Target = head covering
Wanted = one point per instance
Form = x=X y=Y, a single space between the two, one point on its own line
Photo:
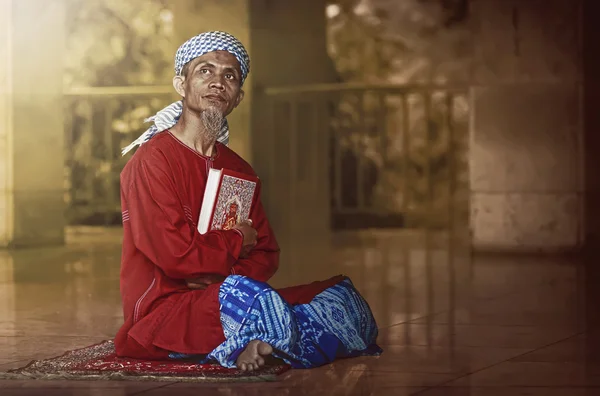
x=191 y=49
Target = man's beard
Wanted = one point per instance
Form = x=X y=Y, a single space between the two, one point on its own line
x=212 y=119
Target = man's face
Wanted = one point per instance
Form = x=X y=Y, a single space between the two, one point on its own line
x=211 y=80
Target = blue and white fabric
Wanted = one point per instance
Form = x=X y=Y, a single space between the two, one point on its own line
x=209 y=42
x=336 y=323
x=191 y=49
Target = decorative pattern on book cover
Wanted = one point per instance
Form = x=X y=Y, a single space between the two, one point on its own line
x=234 y=201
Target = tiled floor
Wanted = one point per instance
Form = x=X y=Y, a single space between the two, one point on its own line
x=492 y=325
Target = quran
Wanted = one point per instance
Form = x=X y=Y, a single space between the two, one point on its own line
x=228 y=200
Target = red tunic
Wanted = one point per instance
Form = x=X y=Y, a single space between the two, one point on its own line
x=162 y=187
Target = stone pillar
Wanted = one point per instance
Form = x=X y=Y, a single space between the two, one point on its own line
x=290 y=137
x=526 y=145
x=287 y=46
x=32 y=35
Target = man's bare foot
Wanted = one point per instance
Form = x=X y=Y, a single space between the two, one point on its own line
x=253 y=356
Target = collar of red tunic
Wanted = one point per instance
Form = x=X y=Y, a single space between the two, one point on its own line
x=206 y=157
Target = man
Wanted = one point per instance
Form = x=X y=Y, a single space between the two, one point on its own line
x=184 y=293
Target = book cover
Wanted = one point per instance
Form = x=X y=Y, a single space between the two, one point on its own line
x=228 y=200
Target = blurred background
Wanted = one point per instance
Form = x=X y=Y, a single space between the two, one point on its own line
x=357 y=114
x=429 y=148
x=389 y=141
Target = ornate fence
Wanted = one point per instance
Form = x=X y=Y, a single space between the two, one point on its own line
x=398 y=154
x=99 y=122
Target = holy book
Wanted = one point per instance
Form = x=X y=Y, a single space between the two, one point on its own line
x=228 y=200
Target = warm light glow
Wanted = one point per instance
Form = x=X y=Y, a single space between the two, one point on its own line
x=332 y=10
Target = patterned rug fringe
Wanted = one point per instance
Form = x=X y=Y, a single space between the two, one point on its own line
x=130 y=377
x=99 y=363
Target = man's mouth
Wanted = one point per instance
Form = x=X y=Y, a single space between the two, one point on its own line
x=215 y=97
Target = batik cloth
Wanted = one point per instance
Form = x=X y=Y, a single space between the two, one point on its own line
x=191 y=49
x=336 y=323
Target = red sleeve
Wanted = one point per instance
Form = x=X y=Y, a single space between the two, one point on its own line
x=162 y=232
x=263 y=260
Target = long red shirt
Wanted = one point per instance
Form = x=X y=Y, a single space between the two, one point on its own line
x=162 y=187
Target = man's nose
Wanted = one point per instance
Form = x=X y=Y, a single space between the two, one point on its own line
x=217 y=83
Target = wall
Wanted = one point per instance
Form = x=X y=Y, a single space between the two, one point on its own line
x=591 y=120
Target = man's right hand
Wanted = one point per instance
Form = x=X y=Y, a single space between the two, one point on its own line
x=249 y=233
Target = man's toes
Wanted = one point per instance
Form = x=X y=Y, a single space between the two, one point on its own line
x=260 y=361
x=243 y=366
x=264 y=349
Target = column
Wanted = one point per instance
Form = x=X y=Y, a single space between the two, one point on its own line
x=31 y=123
x=526 y=143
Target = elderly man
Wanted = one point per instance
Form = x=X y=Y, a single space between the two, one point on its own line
x=186 y=293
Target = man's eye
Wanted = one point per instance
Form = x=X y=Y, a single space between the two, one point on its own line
x=230 y=77
x=204 y=71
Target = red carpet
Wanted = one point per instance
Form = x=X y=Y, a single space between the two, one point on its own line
x=99 y=362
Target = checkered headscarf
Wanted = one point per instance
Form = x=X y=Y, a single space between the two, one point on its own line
x=191 y=49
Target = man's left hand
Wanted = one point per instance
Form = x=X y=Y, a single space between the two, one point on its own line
x=204 y=281
x=246 y=250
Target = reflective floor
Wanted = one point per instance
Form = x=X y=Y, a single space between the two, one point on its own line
x=450 y=324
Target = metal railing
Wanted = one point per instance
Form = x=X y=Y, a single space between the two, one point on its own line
x=397 y=154
x=99 y=121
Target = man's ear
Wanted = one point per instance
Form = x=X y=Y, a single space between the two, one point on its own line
x=239 y=98
x=178 y=84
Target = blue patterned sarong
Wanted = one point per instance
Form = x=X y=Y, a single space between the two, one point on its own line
x=336 y=323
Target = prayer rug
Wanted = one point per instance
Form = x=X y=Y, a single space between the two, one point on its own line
x=99 y=362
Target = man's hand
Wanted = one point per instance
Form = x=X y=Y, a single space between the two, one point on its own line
x=246 y=251
x=203 y=282
x=250 y=235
